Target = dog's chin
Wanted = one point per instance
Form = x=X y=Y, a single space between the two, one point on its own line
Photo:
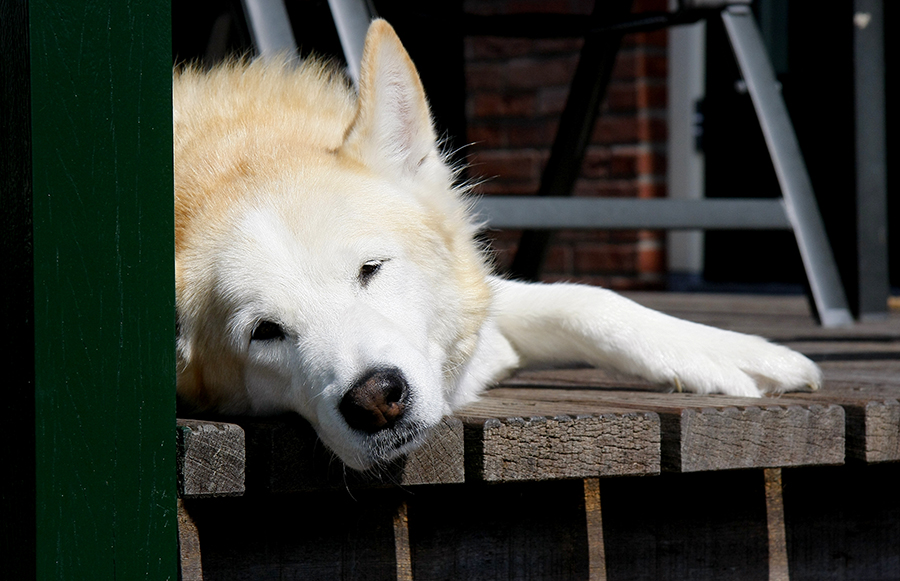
x=385 y=447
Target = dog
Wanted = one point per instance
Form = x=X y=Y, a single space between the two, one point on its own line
x=327 y=264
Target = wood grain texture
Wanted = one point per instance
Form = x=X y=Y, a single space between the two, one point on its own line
x=722 y=438
x=284 y=454
x=717 y=432
x=871 y=401
x=778 y=559
x=191 y=565
x=211 y=459
x=402 y=551
x=509 y=439
x=594 y=517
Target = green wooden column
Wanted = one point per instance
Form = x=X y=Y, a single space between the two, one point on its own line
x=103 y=294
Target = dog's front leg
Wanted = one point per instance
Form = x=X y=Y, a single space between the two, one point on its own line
x=567 y=323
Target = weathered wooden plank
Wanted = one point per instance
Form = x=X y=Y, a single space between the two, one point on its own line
x=402 y=549
x=872 y=413
x=594 y=517
x=778 y=559
x=285 y=455
x=719 y=432
x=509 y=439
x=211 y=459
x=766 y=435
x=191 y=565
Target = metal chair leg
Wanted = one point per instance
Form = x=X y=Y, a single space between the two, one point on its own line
x=796 y=188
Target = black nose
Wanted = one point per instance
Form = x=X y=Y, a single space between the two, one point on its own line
x=376 y=401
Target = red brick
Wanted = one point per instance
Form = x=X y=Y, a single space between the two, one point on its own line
x=596 y=162
x=531 y=73
x=651 y=64
x=647 y=190
x=640 y=161
x=517 y=90
x=650 y=162
x=623 y=164
x=589 y=258
x=560 y=258
x=509 y=164
x=656 y=38
x=605 y=188
x=481 y=48
x=536 y=133
x=615 y=129
x=552 y=100
x=650 y=95
x=485 y=137
x=484 y=76
x=577 y=236
x=625 y=68
x=640 y=63
x=621 y=97
x=651 y=260
x=498 y=186
x=558 y=45
x=501 y=105
x=624 y=236
x=652 y=236
x=652 y=129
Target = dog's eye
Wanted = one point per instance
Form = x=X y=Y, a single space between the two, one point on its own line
x=368 y=270
x=267 y=331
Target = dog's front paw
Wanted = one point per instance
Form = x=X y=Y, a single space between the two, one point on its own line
x=715 y=361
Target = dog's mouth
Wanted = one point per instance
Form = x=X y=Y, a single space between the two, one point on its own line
x=379 y=409
x=386 y=446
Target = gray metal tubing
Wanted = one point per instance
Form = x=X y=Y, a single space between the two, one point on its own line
x=352 y=18
x=616 y=213
x=815 y=250
x=871 y=161
x=269 y=26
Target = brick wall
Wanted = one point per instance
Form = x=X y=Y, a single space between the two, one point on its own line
x=516 y=90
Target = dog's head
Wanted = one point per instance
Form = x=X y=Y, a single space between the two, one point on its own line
x=325 y=262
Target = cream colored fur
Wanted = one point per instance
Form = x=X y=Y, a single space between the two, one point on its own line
x=289 y=188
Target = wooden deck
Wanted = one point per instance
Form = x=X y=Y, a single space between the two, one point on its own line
x=574 y=474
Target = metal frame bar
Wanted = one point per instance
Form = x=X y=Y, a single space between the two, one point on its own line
x=270 y=27
x=796 y=187
x=685 y=163
x=627 y=214
x=873 y=282
x=352 y=18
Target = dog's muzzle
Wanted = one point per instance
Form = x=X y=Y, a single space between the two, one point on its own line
x=376 y=401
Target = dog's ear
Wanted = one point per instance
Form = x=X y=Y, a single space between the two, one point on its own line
x=392 y=129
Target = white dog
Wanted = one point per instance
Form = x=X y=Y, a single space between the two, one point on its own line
x=327 y=265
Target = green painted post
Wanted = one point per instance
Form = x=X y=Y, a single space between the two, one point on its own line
x=103 y=263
